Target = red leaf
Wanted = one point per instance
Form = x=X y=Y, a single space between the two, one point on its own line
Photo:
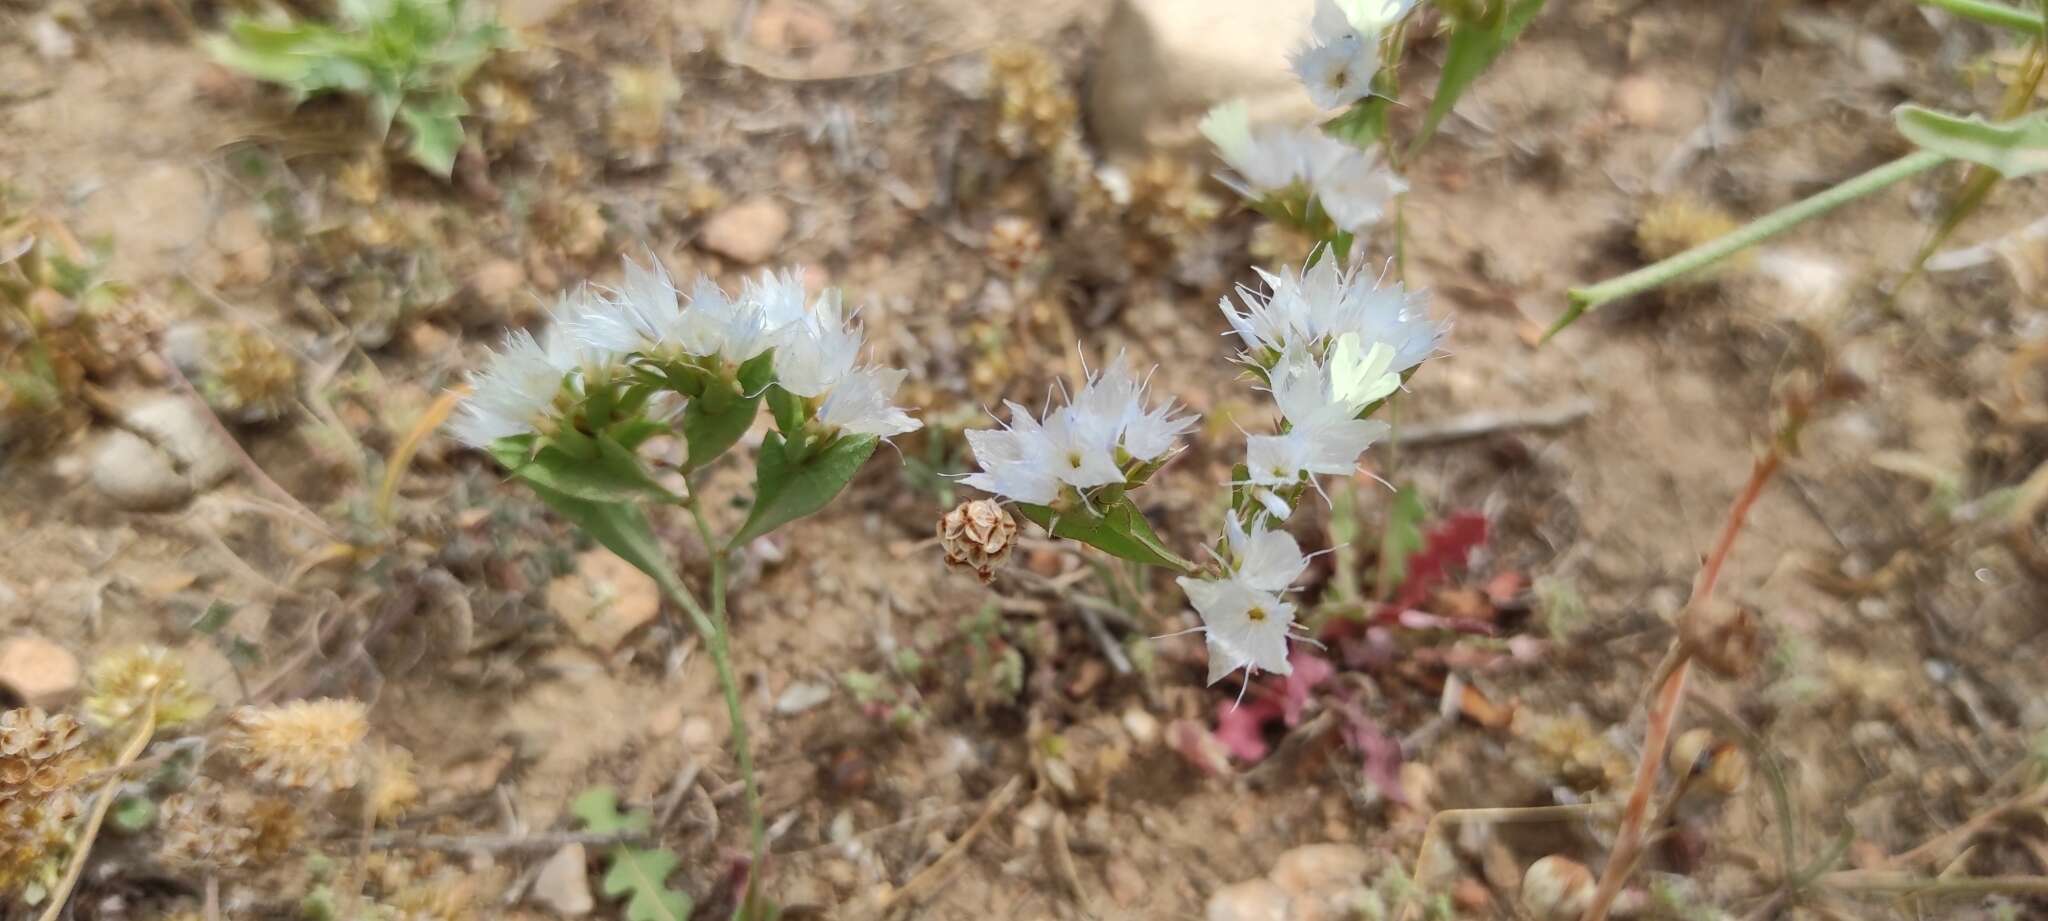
x=1310 y=670
x=1241 y=726
x=1447 y=544
x=1378 y=752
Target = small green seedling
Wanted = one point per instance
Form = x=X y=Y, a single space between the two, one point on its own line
x=407 y=59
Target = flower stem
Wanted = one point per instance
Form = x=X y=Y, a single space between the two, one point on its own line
x=1997 y=14
x=1748 y=235
x=717 y=632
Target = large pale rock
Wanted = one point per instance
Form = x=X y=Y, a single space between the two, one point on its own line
x=604 y=600
x=181 y=428
x=134 y=476
x=1165 y=62
x=564 y=883
x=41 y=673
x=748 y=232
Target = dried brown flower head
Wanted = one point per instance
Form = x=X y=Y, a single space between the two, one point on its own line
x=199 y=828
x=1722 y=636
x=1557 y=888
x=40 y=765
x=978 y=535
x=394 y=783
x=1014 y=242
x=1677 y=223
x=1035 y=108
x=303 y=745
x=1722 y=767
x=122 y=683
x=248 y=376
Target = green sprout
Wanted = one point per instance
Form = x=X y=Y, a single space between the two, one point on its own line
x=408 y=59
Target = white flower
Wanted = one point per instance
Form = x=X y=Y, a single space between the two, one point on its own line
x=860 y=403
x=1245 y=627
x=1354 y=187
x=1267 y=158
x=1310 y=310
x=1364 y=17
x=512 y=394
x=1263 y=559
x=1015 y=460
x=1321 y=402
x=1112 y=405
x=1336 y=72
x=818 y=350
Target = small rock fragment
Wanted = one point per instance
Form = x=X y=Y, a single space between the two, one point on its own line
x=182 y=429
x=1251 y=900
x=564 y=883
x=748 y=232
x=39 y=672
x=133 y=475
x=1177 y=58
x=1126 y=884
x=801 y=696
x=604 y=600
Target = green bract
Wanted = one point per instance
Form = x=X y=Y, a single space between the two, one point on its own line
x=408 y=59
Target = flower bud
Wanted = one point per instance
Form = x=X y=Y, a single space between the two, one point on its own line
x=978 y=535
x=1723 y=636
x=1720 y=766
x=1557 y=888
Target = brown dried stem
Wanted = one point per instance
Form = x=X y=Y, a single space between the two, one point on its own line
x=1664 y=710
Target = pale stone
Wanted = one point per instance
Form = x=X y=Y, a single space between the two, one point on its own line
x=1166 y=62
x=184 y=430
x=564 y=882
x=134 y=476
x=1251 y=900
x=748 y=232
x=41 y=673
x=604 y=600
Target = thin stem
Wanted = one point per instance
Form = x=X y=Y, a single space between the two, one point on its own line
x=1748 y=235
x=1628 y=840
x=1868 y=881
x=717 y=640
x=1996 y=14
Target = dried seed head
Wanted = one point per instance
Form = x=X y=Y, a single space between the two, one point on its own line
x=122 y=683
x=304 y=745
x=1557 y=888
x=201 y=828
x=978 y=535
x=1723 y=636
x=1672 y=225
x=1013 y=243
x=37 y=736
x=1721 y=767
x=394 y=783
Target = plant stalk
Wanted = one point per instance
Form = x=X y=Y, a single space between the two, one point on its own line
x=717 y=639
x=1997 y=14
x=1748 y=235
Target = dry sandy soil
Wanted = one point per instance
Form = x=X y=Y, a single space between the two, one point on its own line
x=1904 y=688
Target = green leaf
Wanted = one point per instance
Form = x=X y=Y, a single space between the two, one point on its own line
x=2015 y=148
x=2025 y=22
x=640 y=874
x=133 y=814
x=614 y=475
x=1115 y=527
x=785 y=491
x=619 y=527
x=712 y=426
x=435 y=127
x=598 y=807
x=1401 y=540
x=1473 y=47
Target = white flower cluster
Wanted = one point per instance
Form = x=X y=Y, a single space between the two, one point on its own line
x=1082 y=445
x=1343 y=52
x=1294 y=166
x=1311 y=309
x=1351 y=185
x=1245 y=618
x=531 y=385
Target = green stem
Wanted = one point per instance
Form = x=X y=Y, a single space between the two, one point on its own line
x=1748 y=235
x=717 y=638
x=1997 y=14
